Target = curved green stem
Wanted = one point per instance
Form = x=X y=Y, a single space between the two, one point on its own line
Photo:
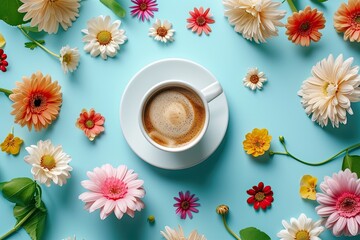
x=292 y=6
x=37 y=43
x=7 y=92
x=227 y=228
x=18 y=225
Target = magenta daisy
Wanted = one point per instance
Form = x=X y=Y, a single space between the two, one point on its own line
x=340 y=203
x=112 y=189
x=144 y=9
x=186 y=204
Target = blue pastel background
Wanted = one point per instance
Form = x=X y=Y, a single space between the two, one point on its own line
x=228 y=173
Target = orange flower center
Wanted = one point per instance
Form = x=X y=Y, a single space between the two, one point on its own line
x=89 y=123
x=200 y=20
x=254 y=79
x=67 y=58
x=143 y=6
x=104 y=37
x=302 y=235
x=305 y=26
x=48 y=162
x=185 y=205
x=259 y=196
x=161 y=31
x=38 y=103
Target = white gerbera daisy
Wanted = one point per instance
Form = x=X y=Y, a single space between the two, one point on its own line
x=172 y=234
x=48 y=14
x=162 y=31
x=302 y=228
x=49 y=163
x=69 y=59
x=255 y=19
x=103 y=37
x=254 y=79
x=328 y=93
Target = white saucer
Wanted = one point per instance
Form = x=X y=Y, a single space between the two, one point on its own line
x=147 y=77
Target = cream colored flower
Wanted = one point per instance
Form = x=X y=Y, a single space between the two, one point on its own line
x=255 y=19
x=328 y=93
x=69 y=59
x=48 y=14
x=254 y=79
x=172 y=234
x=103 y=37
x=162 y=31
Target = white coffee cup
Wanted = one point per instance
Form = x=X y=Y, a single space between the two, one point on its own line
x=206 y=95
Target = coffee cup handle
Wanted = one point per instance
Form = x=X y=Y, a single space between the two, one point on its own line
x=212 y=91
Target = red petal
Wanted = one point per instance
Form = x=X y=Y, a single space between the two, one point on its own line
x=261 y=185
x=251 y=192
x=251 y=200
x=267 y=189
x=256 y=205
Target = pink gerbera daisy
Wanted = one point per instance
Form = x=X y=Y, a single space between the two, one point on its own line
x=144 y=9
x=112 y=189
x=340 y=203
x=91 y=123
x=200 y=20
x=186 y=204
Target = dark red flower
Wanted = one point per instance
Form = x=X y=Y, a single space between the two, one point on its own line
x=260 y=196
x=186 y=204
x=3 y=62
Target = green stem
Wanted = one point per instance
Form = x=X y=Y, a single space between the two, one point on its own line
x=292 y=6
x=37 y=43
x=7 y=92
x=227 y=228
x=18 y=225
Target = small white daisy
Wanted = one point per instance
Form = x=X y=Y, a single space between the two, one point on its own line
x=173 y=234
x=49 y=163
x=254 y=79
x=103 y=37
x=303 y=228
x=69 y=59
x=162 y=31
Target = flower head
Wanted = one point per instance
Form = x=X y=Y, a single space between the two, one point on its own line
x=307 y=187
x=103 y=37
x=49 y=163
x=112 y=189
x=69 y=59
x=173 y=234
x=151 y=219
x=222 y=209
x=347 y=20
x=328 y=93
x=260 y=196
x=37 y=101
x=3 y=62
x=255 y=19
x=199 y=21
x=303 y=228
x=48 y=15
x=254 y=79
x=11 y=144
x=257 y=142
x=340 y=203
x=186 y=203
x=92 y=123
x=144 y=9
x=303 y=26
x=162 y=31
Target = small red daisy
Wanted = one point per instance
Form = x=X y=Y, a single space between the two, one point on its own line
x=200 y=20
x=3 y=62
x=186 y=204
x=260 y=196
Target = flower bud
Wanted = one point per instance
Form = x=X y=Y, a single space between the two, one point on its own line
x=151 y=219
x=222 y=209
x=282 y=139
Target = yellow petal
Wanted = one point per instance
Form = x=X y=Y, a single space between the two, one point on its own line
x=305 y=180
x=2 y=41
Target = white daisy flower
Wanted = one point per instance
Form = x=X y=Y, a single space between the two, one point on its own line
x=103 y=37
x=254 y=79
x=49 y=163
x=328 y=93
x=255 y=19
x=162 y=31
x=303 y=228
x=173 y=234
x=69 y=59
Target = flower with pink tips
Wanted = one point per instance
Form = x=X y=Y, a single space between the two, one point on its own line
x=112 y=189
x=144 y=9
x=199 y=21
x=92 y=123
x=186 y=204
x=340 y=203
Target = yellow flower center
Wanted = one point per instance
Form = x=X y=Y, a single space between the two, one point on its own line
x=89 y=123
x=200 y=21
x=67 y=58
x=259 y=196
x=161 y=31
x=143 y=6
x=104 y=37
x=48 y=162
x=302 y=235
x=357 y=19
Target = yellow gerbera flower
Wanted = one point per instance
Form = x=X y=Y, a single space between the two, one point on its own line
x=307 y=187
x=257 y=142
x=11 y=144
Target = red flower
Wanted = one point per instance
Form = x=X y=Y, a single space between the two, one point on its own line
x=144 y=9
x=260 y=196
x=186 y=204
x=199 y=21
x=3 y=62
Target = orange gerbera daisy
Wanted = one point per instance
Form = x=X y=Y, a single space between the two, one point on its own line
x=347 y=20
x=37 y=101
x=303 y=26
x=91 y=123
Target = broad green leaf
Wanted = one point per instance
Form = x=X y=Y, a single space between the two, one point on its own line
x=33 y=45
x=252 y=233
x=30 y=29
x=352 y=162
x=9 y=12
x=115 y=7
x=38 y=196
x=2 y=185
x=19 y=190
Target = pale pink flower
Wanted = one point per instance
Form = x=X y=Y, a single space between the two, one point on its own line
x=340 y=203
x=112 y=189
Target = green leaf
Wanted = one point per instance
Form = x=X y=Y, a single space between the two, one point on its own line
x=252 y=233
x=2 y=185
x=19 y=190
x=38 y=196
x=30 y=29
x=352 y=162
x=9 y=12
x=115 y=7
x=33 y=45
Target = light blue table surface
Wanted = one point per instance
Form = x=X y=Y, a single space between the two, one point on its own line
x=221 y=179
